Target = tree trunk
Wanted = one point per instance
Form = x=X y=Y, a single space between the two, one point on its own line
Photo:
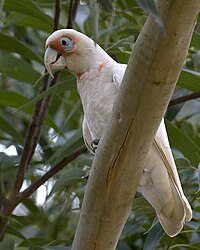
x=149 y=81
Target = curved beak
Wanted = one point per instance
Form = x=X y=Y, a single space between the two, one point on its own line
x=53 y=60
x=50 y=58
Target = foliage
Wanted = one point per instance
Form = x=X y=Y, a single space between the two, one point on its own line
x=48 y=218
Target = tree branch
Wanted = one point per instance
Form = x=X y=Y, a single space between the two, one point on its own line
x=72 y=13
x=33 y=134
x=34 y=186
x=185 y=98
x=149 y=81
x=32 y=138
x=57 y=15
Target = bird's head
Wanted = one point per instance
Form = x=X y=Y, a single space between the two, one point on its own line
x=70 y=49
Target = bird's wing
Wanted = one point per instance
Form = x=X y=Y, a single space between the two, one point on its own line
x=101 y=94
x=161 y=186
x=87 y=137
x=162 y=143
x=118 y=74
x=160 y=183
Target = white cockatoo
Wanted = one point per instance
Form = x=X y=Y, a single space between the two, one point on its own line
x=98 y=80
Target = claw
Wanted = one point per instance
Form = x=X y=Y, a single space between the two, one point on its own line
x=87 y=174
x=94 y=144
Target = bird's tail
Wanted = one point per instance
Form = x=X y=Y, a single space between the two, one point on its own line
x=161 y=186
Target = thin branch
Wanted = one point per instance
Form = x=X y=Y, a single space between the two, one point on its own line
x=35 y=126
x=11 y=204
x=32 y=138
x=33 y=187
x=72 y=13
x=185 y=98
x=33 y=134
x=57 y=15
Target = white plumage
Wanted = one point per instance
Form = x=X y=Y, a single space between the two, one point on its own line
x=98 y=81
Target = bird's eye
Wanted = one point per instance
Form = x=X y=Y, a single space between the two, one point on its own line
x=67 y=43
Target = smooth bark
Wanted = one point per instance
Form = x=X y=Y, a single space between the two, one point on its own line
x=149 y=81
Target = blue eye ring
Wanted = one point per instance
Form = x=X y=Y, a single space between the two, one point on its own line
x=67 y=43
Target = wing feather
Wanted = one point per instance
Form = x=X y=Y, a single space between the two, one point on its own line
x=87 y=137
x=161 y=186
x=118 y=74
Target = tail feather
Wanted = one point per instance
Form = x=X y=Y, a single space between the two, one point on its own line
x=161 y=186
x=172 y=215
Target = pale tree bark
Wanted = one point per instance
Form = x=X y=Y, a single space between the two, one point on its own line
x=149 y=81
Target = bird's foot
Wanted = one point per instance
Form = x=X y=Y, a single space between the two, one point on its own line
x=94 y=144
x=87 y=174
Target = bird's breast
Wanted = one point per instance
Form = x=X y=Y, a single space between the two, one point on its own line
x=97 y=92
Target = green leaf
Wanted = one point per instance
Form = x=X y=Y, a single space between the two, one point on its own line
x=11 y=44
x=8 y=128
x=82 y=16
x=181 y=141
x=193 y=246
x=36 y=242
x=28 y=21
x=189 y=80
x=172 y=111
x=15 y=100
x=94 y=19
x=154 y=236
x=12 y=99
x=75 y=108
x=65 y=85
x=18 y=69
x=121 y=44
x=57 y=248
x=1 y=9
x=65 y=150
x=31 y=206
x=149 y=6
x=195 y=40
x=6 y=160
x=7 y=244
x=68 y=177
x=8 y=166
x=15 y=232
x=154 y=223
x=27 y=7
x=198 y=171
x=123 y=246
x=106 y=5
x=182 y=163
x=142 y=205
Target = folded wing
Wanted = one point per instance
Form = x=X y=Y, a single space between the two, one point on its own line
x=161 y=186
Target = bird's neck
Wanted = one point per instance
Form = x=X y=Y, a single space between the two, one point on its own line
x=95 y=69
x=92 y=58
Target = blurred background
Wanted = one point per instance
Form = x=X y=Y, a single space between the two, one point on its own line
x=47 y=219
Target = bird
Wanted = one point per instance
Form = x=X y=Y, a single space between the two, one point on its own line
x=99 y=78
